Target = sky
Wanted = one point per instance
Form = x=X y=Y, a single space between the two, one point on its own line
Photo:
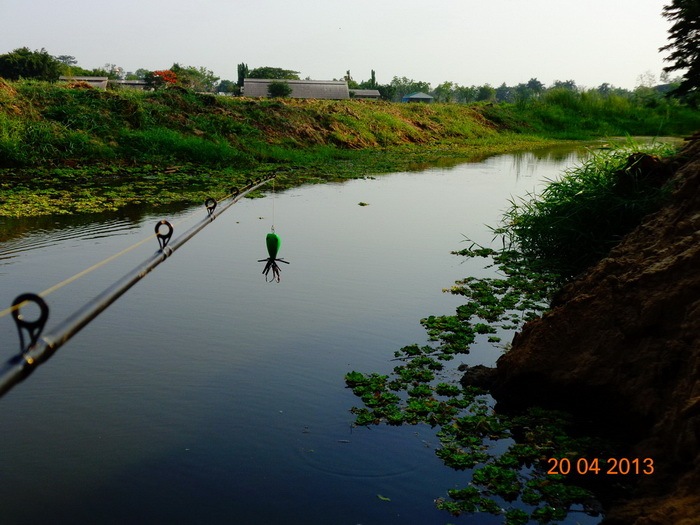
x=469 y=42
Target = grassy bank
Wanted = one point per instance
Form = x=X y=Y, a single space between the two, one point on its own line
x=74 y=150
x=566 y=114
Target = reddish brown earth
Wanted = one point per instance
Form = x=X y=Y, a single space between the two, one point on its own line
x=622 y=349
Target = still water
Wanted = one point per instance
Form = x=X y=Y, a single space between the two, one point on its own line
x=206 y=395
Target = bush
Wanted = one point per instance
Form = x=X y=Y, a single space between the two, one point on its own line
x=23 y=63
x=279 y=89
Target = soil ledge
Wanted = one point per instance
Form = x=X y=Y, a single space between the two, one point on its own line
x=622 y=348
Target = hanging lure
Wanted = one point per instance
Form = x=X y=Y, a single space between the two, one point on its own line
x=273 y=247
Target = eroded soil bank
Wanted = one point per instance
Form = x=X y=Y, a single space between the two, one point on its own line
x=621 y=348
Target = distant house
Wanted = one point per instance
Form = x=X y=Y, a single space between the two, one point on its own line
x=130 y=84
x=365 y=93
x=96 y=82
x=417 y=97
x=664 y=88
x=325 y=89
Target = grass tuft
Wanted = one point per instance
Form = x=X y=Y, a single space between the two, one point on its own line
x=577 y=219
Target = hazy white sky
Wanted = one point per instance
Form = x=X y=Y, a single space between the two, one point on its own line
x=470 y=42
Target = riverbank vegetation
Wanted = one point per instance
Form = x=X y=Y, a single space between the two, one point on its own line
x=71 y=149
x=515 y=458
x=577 y=219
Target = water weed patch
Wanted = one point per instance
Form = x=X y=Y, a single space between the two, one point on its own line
x=510 y=455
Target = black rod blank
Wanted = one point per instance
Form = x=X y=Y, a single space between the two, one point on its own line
x=20 y=366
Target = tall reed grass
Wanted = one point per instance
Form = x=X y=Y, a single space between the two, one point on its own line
x=578 y=218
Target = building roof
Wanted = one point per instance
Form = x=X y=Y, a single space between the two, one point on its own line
x=135 y=84
x=418 y=95
x=97 y=82
x=365 y=93
x=326 y=89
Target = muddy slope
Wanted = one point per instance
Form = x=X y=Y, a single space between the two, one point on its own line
x=622 y=347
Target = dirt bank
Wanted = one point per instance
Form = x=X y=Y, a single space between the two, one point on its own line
x=622 y=348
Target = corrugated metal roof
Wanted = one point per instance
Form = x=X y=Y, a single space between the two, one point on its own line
x=325 y=89
x=365 y=93
x=418 y=95
x=98 y=82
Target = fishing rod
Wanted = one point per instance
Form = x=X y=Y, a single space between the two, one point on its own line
x=39 y=348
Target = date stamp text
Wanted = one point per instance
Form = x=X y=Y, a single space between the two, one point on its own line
x=609 y=467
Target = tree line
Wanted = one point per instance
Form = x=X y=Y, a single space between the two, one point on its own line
x=684 y=48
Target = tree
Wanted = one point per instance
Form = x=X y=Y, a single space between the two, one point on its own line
x=522 y=93
x=139 y=74
x=24 y=63
x=68 y=60
x=113 y=71
x=684 y=45
x=196 y=79
x=386 y=91
x=569 y=85
x=605 y=89
x=371 y=83
x=444 y=92
x=160 y=79
x=486 y=93
x=352 y=84
x=243 y=73
x=405 y=86
x=505 y=93
x=227 y=86
x=535 y=86
x=278 y=89
x=273 y=73
x=646 y=79
x=465 y=94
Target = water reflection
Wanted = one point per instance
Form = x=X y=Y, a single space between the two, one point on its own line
x=205 y=395
x=12 y=228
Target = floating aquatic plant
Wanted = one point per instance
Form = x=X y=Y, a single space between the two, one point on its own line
x=531 y=266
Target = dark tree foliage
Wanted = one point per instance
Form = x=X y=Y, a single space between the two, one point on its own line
x=405 y=86
x=386 y=91
x=684 y=45
x=569 y=85
x=227 y=86
x=24 y=63
x=371 y=83
x=197 y=79
x=68 y=60
x=273 y=72
x=279 y=89
x=535 y=86
x=243 y=73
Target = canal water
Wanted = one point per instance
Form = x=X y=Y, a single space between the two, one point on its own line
x=206 y=395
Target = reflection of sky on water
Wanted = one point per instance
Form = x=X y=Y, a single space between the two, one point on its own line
x=205 y=395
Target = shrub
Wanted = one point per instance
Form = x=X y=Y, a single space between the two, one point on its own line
x=279 y=89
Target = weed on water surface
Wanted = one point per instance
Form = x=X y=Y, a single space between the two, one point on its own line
x=47 y=126
x=509 y=455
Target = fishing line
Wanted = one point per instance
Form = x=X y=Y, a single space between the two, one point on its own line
x=80 y=274
x=83 y=273
x=273 y=244
x=42 y=346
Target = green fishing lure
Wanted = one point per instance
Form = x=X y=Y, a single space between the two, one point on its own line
x=273 y=243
